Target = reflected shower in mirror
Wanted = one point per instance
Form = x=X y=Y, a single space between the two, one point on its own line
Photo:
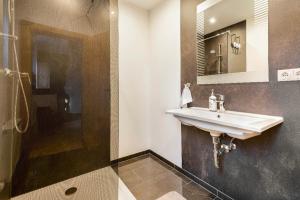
x=232 y=38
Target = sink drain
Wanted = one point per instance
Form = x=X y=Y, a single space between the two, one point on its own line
x=71 y=191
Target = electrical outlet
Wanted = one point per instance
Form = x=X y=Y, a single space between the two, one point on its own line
x=285 y=75
x=296 y=74
x=289 y=74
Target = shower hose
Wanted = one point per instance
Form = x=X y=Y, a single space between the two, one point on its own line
x=19 y=75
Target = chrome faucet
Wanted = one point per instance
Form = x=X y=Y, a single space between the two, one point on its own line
x=220 y=101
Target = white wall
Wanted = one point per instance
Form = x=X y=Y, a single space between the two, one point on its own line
x=134 y=133
x=150 y=79
x=257 y=45
x=165 y=79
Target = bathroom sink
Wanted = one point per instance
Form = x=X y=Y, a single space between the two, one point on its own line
x=235 y=124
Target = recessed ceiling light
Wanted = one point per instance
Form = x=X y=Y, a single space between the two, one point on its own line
x=212 y=20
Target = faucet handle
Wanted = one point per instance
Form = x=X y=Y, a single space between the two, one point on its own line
x=233 y=146
x=221 y=97
x=188 y=85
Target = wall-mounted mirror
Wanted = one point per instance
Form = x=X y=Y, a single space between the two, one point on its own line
x=232 y=41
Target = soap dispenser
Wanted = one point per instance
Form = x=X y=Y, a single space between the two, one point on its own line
x=213 y=102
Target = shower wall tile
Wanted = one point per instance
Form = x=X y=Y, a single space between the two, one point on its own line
x=96 y=91
x=267 y=166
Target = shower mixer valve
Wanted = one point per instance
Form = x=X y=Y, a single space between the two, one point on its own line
x=7 y=72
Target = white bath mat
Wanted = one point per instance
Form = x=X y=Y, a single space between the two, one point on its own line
x=172 y=196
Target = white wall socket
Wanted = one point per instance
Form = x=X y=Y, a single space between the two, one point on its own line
x=289 y=74
x=285 y=75
x=297 y=74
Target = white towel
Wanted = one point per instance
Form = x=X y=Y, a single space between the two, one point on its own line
x=186 y=96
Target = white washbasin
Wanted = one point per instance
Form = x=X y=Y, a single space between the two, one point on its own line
x=235 y=124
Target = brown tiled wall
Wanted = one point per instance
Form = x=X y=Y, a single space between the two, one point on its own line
x=267 y=166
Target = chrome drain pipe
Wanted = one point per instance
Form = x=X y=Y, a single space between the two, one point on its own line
x=216 y=142
x=221 y=148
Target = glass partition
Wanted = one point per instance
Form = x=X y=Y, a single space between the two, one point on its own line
x=64 y=47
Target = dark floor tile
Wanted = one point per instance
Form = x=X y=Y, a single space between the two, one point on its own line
x=182 y=176
x=161 y=162
x=133 y=160
x=208 y=187
x=196 y=196
x=157 y=186
x=150 y=171
x=196 y=190
x=137 y=164
x=150 y=178
x=130 y=178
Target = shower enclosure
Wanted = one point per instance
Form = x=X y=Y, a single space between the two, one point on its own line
x=64 y=46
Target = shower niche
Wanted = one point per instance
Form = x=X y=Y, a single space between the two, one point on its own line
x=232 y=41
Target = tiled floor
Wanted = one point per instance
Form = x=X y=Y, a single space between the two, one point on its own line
x=149 y=178
x=43 y=171
x=102 y=184
x=146 y=177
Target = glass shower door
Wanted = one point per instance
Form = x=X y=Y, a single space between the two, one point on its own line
x=6 y=103
x=64 y=46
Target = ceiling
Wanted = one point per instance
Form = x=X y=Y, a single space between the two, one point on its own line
x=146 y=4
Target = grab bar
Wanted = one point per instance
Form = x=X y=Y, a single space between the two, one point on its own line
x=10 y=73
x=8 y=36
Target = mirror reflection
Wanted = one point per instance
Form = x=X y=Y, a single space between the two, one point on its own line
x=232 y=36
